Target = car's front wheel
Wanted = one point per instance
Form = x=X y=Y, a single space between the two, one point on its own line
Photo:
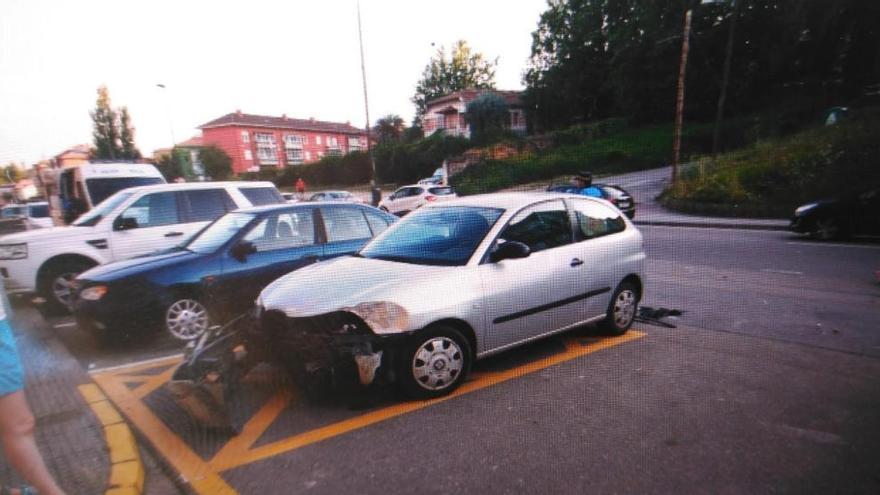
x=622 y=309
x=433 y=362
x=55 y=285
x=186 y=318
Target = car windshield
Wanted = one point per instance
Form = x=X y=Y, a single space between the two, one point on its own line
x=444 y=236
x=103 y=188
x=12 y=211
x=95 y=215
x=216 y=234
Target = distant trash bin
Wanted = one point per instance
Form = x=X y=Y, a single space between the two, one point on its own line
x=377 y=196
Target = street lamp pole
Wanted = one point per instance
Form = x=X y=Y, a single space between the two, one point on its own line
x=168 y=113
x=719 y=115
x=373 y=190
x=679 y=99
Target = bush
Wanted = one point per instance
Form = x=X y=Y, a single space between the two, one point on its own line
x=587 y=132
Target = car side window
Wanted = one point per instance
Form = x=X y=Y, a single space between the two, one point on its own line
x=542 y=226
x=283 y=231
x=154 y=210
x=203 y=205
x=259 y=196
x=345 y=224
x=596 y=220
x=378 y=223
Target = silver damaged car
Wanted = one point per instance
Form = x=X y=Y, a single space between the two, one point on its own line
x=458 y=281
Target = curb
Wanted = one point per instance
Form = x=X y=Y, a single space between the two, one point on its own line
x=126 y=470
x=712 y=225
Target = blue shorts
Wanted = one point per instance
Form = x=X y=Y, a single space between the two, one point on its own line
x=11 y=374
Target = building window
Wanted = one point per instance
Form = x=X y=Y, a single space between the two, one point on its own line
x=333 y=146
x=245 y=138
x=247 y=155
x=355 y=144
x=308 y=156
x=267 y=152
x=293 y=149
x=317 y=139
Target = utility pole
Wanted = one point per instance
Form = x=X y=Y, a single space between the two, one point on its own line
x=374 y=191
x=719 y=115
x=679 y=99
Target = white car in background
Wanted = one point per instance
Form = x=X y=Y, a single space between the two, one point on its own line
x=36 y=214
x=408 y=198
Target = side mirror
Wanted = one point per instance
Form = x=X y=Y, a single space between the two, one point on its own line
x=125 y=223
x=241 y=250
x=509 y=250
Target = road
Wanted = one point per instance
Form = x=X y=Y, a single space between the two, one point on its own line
x=770 y=383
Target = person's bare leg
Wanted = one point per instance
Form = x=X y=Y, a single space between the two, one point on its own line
x=19 y=445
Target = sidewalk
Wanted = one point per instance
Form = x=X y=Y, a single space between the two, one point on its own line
x=70 y=436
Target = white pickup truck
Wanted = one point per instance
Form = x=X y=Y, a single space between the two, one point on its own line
x=132 y=222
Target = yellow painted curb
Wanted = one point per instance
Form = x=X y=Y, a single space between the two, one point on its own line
x=126 y=470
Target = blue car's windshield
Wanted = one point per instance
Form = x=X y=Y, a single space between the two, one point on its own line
x=216 y=234
x=435 y=236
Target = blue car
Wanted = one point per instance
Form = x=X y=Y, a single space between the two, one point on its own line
x=217 y=274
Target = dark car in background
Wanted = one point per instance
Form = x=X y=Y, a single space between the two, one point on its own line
x=218 y=273
x=616 y=195
x=840 y=217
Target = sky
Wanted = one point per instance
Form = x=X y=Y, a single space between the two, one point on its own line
x=299 y=58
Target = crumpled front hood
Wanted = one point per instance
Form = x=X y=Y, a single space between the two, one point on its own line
x=125 y=268
x=51 y=234
x=344 y=283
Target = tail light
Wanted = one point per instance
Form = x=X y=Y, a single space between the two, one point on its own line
x=430 y=198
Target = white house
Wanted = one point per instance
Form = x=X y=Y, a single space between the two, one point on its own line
x=447 y=113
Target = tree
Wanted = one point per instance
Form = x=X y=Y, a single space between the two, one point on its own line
x=389 y=129
x=105 y=132
x=487 y=115
x=12 y=173
x=462 y=70
x=175 y=164
x=218 y=165
x=128 y=150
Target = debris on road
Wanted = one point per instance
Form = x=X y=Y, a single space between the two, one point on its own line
x=663 y=317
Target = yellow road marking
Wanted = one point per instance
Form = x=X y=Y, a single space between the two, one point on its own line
x=191 y=467
x=204 y=476
x=573 y=350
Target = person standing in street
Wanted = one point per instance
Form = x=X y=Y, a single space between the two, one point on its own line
x=584 y=182
x=301 y=188
x=17 y=420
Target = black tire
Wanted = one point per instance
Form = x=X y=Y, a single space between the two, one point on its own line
x=829 y=228
x=449 y=364
x=49 y=285
x=622 y=309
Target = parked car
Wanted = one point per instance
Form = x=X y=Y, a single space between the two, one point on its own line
x=408 y=198
x=132 y=222
x=458 y=281
x=839 y=217
x=36 y=214
x=616 y=195
x=335 y=196
x=217 y=274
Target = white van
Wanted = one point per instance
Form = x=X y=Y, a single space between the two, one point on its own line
x=74 y=191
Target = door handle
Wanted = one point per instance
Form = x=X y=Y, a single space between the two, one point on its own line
x=174 y=234
x=577 y=262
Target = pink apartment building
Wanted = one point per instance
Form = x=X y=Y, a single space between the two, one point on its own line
x=256 y=141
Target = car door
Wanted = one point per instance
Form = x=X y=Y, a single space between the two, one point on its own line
x=346 y=230
x=598 y=229
x=282 y=242
x=531 y=296
x=414 y=198
x=151 y=223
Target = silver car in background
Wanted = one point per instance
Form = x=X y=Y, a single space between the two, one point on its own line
x=458 y=281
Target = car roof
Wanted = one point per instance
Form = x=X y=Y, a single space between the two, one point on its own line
x=506 y=200
x=184 y=186
x=295 y=206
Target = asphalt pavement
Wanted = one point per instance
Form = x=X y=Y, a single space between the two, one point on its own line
x=770 y=383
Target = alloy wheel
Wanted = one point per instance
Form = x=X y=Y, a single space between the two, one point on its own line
x=186 y=319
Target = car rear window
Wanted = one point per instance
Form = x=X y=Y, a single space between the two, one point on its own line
x=259 y=196
x=39 y=211
x=441 y=191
